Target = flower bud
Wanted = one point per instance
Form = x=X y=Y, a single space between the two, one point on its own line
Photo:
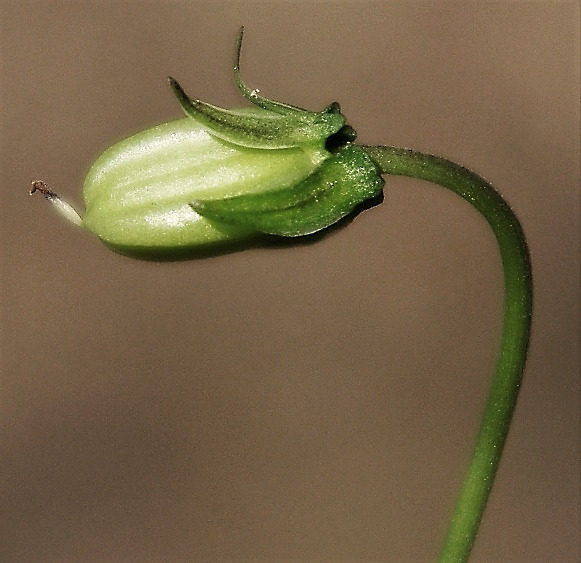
x=219 y=177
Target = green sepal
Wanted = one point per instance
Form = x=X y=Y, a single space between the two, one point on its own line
x=337 y=187
x=252 y=95
x=266 y=130
x=271 y=105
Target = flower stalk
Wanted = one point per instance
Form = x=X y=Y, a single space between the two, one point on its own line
x=518 y=302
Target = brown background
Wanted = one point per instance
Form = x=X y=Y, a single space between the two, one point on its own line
x=315 y=402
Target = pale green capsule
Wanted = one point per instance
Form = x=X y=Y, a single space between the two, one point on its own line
x=138 y=193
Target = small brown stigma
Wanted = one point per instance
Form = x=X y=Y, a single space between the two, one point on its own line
x=40 y=186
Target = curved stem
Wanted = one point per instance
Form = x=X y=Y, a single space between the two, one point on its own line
x=515 y=335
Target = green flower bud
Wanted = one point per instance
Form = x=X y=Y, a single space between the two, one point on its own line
x=219 y=177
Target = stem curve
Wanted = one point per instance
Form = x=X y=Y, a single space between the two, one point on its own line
x=518 y=301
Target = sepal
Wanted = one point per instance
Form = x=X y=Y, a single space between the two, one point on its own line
x=335 y=189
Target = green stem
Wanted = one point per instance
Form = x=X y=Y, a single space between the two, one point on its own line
x=515 y=335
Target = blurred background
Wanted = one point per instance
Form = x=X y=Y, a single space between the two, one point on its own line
x=315 y=402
